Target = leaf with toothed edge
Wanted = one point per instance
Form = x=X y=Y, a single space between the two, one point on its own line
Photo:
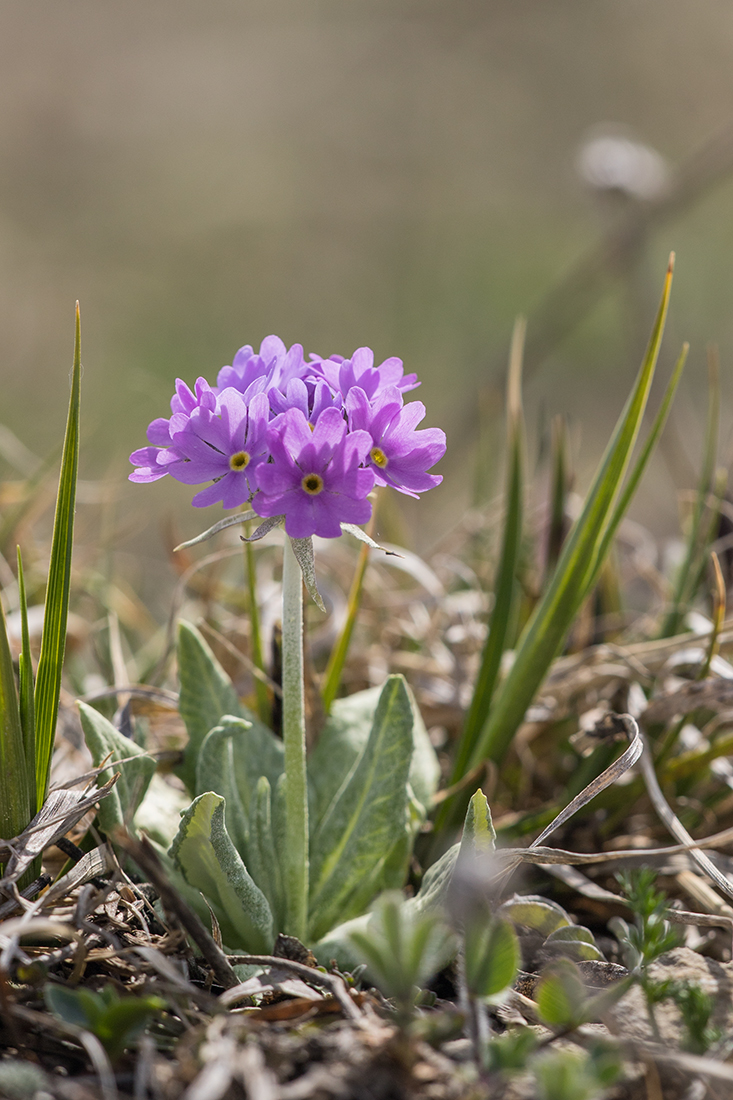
x=305 y=557
x=229 y=521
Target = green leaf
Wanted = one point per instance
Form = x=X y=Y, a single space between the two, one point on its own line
x=159 y=813
x=505 y=587
x=66 y=1005
x=356 y=835
x=16 y=784
x=491 y=956
x=206 y=696
x=118 y=808
x=700 y=532
x=53 y=642
x=264 y=862
x=561 y=995
x=26 y=686
x=341 y=742
x=209 y=861
x=231 y=760
x=338 y=944
x=123 y=1021
x=479 y=836
x=545 y=633
x=402 y=948
x=532 y=911
x=575 y=942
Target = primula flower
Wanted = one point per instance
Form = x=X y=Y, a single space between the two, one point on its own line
x=303 y=440
x=253 y=372
x=311 y=398
x=161 y=459
x=315 y=479
x=229 y=446
x=399 y=455
x=343 y=374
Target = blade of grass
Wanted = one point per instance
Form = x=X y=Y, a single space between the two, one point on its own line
x=505 y=588
x=697 y=539
x=632 y=482
x=337 y=659
x=579 y=562
x=25 y=678
x=53 y=642
x=263 y=702
x=719 y=601
x=15 y=784
x=556 y=530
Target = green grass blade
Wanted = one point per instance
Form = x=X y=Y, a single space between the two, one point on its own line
x=336 y=661
x=505 y=588
x=557 y=529
x=25 y=678
x=547 y=629
x=263 y=702
x=698 y=537
x=632 y=482
x=15 y=784
x=53 y=643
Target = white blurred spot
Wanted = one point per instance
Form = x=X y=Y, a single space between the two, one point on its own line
x=616 y=162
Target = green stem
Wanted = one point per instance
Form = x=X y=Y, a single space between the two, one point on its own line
x=263 y=702
x=296 y=789
x=336 y=661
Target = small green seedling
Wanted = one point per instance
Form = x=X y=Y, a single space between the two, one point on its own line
x=402 y=950
x=565 y=1075
x=648 y=938
x=116 y=1021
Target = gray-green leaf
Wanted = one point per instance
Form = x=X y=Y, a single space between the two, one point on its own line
x=118 y=808
x=342 y=740
x=209 y=861
x=207 y=695
x=534 y=912
x=357 y=834
x=231 y=760
x=478 y=831
x=561 y=994
x=491 y=953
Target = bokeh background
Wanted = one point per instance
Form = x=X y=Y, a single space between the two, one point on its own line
x=398 y=173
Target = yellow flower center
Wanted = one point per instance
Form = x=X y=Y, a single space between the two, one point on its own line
x=313 y=484
x=239 y=461
x=378 y=457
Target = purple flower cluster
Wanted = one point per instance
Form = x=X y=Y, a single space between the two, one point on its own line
x=305 y=439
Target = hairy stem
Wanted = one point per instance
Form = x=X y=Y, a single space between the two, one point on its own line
x=296 y=790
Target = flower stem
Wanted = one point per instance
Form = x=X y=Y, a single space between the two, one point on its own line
x=296 y=790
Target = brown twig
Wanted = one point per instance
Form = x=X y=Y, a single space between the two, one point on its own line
x=332 y=982
x=143 y=853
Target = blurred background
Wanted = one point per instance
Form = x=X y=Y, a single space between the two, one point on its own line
x=407 y=174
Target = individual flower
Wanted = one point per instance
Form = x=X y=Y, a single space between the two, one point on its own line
x=398 y=455
x=310 y=397
x=229 y=446
x=314 y=479
x=160 y=459
x=252 y=372
x=343 y=374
